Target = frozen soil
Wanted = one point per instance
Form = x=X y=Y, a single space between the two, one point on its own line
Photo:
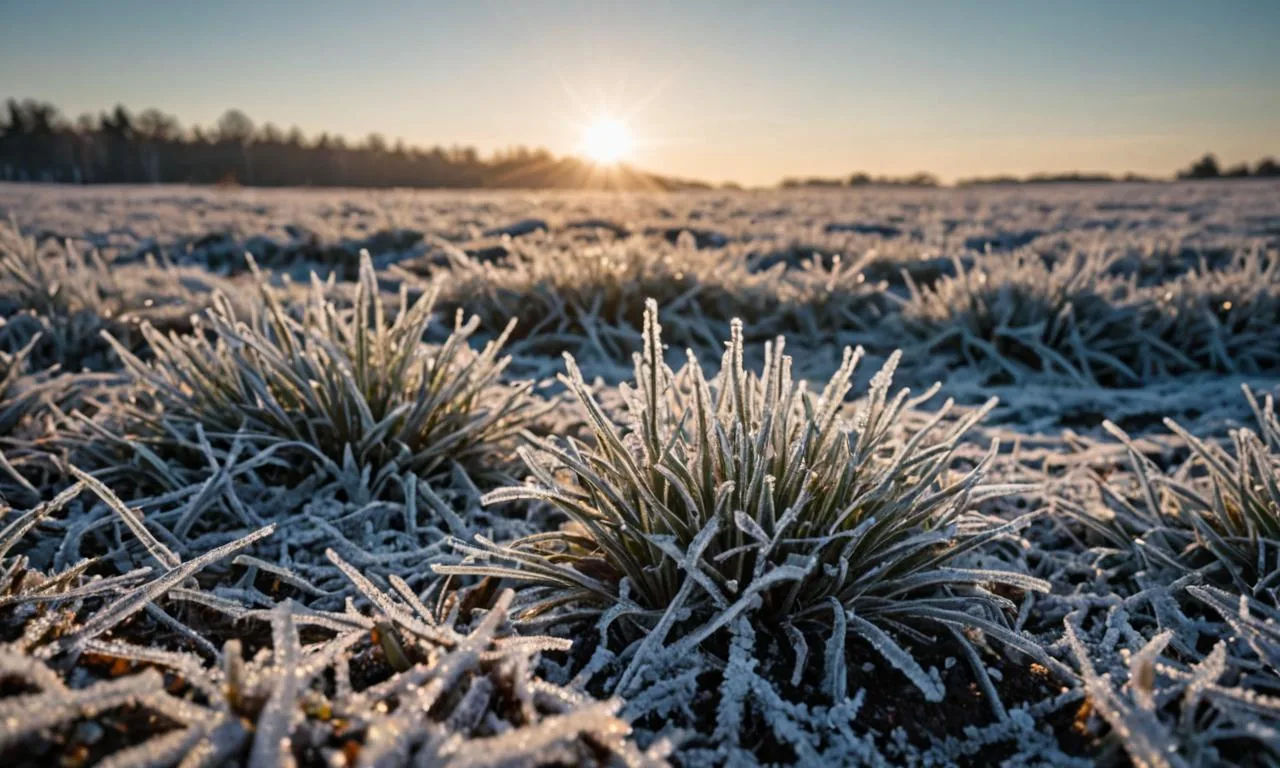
x=318 y=631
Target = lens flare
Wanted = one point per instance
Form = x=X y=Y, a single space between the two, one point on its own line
x=606 y=141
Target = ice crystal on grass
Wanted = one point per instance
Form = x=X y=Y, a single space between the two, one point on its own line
x=743 y=618
x=1218 y=516
x=1168 y=710
x=30 y=402
x=65 y=300
x=446 y=695
x=592 y=300
x=1013 y=316
x=50 y=294
x=341 y=426
x=333 y=391
x=1225 y=319
x=23 y=391
x=746 y=496
x=1256 y=632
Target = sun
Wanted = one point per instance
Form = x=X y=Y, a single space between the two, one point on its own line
x=606 y=141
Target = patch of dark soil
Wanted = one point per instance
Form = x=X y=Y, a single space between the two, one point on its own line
x=794 y=258
x=518 y=229
x=89 y=742
x=221 y=252
x=892 y=702
x=1002 y=241
x=605 y=225
x=495 y=253
x=1123 y=206
x=214 y=240
x=1082 y=419
x=925 y=272
x=702 y=238
x=385 y=241
x=880 y=230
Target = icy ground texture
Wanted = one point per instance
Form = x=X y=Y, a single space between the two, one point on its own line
x=283 y=530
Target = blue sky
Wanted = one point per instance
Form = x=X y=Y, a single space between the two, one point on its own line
x=747 y=91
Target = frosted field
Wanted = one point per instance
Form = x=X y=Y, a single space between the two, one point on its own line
x=362 y=519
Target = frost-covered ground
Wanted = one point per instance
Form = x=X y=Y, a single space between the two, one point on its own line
x=298 y=526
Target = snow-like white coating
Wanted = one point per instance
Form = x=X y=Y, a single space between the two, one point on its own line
x=272 y=509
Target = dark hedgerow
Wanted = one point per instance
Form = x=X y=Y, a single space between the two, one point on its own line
x=745 y=497
x=333 y=389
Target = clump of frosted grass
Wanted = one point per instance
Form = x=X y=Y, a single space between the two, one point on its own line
x=1225 y=320
x=64 y=300
x=105 y=668
x=335 y=389
x=1218 y=516
x=746 y=504
x=1011 y=317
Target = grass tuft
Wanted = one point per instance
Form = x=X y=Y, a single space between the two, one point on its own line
x=747 y=495
x=334 y=389
x=1225 y=320
x=1217 y=516
x=1012 y=316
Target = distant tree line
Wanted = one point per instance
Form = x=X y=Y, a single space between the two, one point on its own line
x=38 y=144
x=1053 y=178
x=863 y=180
x=1204 y=168
x=1207 y=168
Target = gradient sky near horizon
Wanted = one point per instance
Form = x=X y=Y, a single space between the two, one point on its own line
x=747 y=91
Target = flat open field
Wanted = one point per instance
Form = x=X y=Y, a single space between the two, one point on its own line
x=253 y=515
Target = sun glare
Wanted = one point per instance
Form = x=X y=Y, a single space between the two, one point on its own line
x=606 y=141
